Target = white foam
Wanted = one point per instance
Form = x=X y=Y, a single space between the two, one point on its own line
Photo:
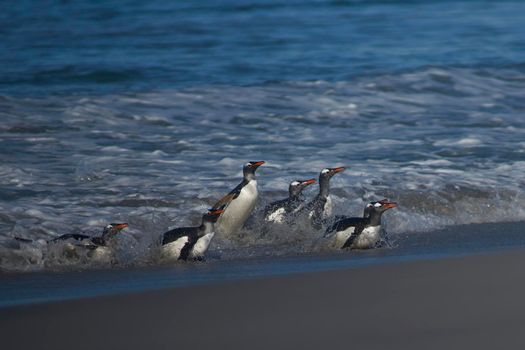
x=114 y=149
x=433 y=162
x=464 y=142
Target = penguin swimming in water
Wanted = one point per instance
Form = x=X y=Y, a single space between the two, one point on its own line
x=320 y=208
x=360 y=233
x=281 y=210
x=96 y=248
x=239 y=203
x=190 y=242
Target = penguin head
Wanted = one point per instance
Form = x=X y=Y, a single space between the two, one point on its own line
x=212 y=215
x=327 y=173
x=112 y=229
x=249 y=169
x=378 y=207
x=297 y=186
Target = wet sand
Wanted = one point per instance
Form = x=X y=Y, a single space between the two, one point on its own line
x=471 y=302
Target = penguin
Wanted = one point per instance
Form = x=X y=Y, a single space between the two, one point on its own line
x=239 y=203
x=320 y=208
x=97 y=247
x=190 y=242
x=280 y=211
x=366 y=212
x=360 y=233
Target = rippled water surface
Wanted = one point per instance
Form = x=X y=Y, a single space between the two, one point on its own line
x=144 y=112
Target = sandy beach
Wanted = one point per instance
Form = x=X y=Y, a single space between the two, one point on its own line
x=469 y=302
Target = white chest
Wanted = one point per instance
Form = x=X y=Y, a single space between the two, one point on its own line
x=328 y=206
x=101 y=255
x=342 y=236
x=172 y=250
x=277 y=216
x=202 y=245
x=238 y=211
x=368 y=238
x=248 y=194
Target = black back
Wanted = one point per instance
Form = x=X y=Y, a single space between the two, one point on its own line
x=75 y=236
x=191 y=232
x=176 y=233
x=346 y=223
x=289 y=205
x=359 y=225
x=92 y=242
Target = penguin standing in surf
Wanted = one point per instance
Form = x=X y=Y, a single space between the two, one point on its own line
x=320 y=208
x=282 y=211
x=239 y=203
x=360 y=233
x=185 y=243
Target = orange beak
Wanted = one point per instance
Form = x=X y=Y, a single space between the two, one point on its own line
x=120 y=226
x=258 y=164
x=308 y=182
x=339 y=169
x=389 y=205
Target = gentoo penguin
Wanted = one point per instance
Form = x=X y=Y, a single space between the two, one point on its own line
x=96 y=247
x=281 y=210
x=239 y=203
x=360 y=233
x=320 y=207
x=190 y=242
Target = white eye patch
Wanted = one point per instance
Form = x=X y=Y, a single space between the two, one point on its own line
x=109 y=226
x=369 y=205
x=377 y=204
x=295 y=183
x=324 y=171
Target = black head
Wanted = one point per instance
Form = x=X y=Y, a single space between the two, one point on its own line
x=212 y=215
x=369 y=206
x=374 y=210
x=297 y=186
x=378 y=207
x=112 y=229
x=249 y=169
x=327 y=173
x=324 y=179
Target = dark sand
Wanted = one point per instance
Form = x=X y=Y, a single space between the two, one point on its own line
x=463 y=302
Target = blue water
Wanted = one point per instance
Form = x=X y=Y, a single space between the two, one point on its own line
x=145 y=111
x=122 y=46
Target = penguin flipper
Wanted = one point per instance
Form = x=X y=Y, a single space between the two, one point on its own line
x=75 y=236
x=25 y=240
x=225 y=201
x=349 y=241
x=343 y=223
x=357 y=231
x=185 y=251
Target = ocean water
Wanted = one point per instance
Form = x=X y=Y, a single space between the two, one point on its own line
x=144 y=112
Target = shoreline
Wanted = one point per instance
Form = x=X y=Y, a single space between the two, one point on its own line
x=460 y=301
x=56 y=286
